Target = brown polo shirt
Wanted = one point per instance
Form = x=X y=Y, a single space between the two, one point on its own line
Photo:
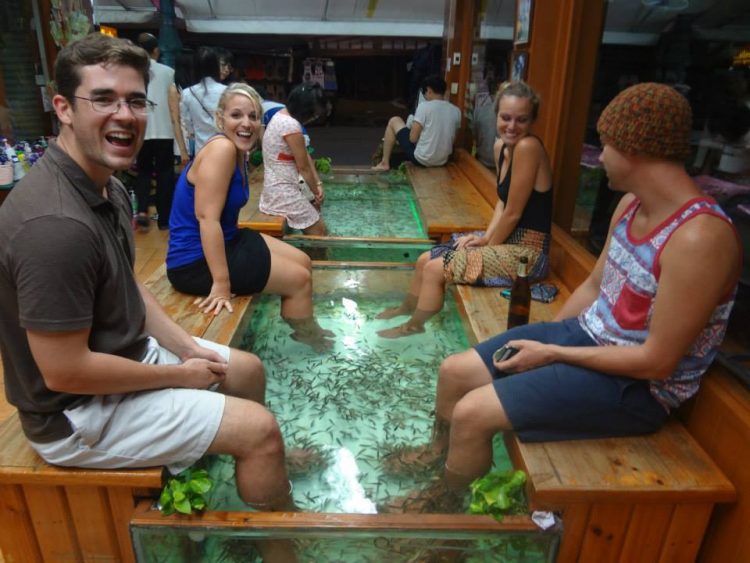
x=66 y=263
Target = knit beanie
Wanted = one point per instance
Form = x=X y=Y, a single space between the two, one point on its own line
x=648 y=119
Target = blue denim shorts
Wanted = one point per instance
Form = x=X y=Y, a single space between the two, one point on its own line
x=565 y=402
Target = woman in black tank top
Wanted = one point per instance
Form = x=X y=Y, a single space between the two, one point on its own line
x=520 y=224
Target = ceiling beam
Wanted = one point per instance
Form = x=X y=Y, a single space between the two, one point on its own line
x=307 y=27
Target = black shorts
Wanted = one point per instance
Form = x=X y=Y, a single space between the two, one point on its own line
x=402 y=136
x=249 y=261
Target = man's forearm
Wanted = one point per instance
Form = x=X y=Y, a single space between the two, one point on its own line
x=628 y=361
x=95 y=373
x=161 y=326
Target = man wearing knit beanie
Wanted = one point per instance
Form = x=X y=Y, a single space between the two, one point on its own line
x=632 y=342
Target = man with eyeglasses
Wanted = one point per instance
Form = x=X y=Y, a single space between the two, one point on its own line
x=101 y=376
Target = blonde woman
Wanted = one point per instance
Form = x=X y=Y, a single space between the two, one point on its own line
x=520 y=225
x=208 y=254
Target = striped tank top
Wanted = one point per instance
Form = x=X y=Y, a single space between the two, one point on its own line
x=621 y=314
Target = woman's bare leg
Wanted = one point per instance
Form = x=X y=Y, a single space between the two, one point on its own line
x=429 y=303
x=291 y=277
x=410 y=301
x=318 y=229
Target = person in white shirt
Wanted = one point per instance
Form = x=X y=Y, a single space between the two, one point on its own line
x=428 y=140
x=162 y=129
x=199 y=101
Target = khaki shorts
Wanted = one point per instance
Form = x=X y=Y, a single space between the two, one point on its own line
x=172 y=427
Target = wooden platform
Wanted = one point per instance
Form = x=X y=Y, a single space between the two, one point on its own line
x=447 y=200
x=251 y=217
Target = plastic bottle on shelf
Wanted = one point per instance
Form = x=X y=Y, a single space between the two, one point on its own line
x=9 y=152
x=18 y=169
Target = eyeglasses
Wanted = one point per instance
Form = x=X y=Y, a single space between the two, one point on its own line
x=105 y=104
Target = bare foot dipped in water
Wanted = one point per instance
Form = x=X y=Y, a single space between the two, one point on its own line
x=309 y=332
x=317 y=342
x=406 y=460
x=436 y=498
x=302 y=461
x=393 y=312
x=400 y=331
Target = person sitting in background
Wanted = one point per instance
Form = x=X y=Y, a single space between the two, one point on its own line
x=199 y=101
x=286 y=159
x=520 y=225
x=162 y=129
x=428 y=139
x=614 y=362
x=208 y=255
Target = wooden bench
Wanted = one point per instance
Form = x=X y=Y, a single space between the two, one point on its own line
x=55 y=514
x=448 y=201
x=643 y=498
x=251 y=217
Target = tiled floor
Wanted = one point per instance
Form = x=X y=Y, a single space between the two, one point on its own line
x=345 y=146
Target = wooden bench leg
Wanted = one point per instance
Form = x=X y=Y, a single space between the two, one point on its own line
x=17 y=536
x=53 y=525
x=622 y=532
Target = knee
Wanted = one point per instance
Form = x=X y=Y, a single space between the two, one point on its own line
x=423 y=259
x=305 y=261
x=250 y=373
x=302 y=278
x=264 y=435
x=250 y=364
x=467 y=420
x=453 y=377
x=450 y=372
x=463 y=415
x=433 y=270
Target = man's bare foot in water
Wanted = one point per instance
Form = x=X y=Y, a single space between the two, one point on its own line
x=381 y=167
x=400 y=331
x=436 y=498
x=301 y=461
x=416 y=460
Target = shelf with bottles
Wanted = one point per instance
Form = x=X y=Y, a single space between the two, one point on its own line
x=16 y=160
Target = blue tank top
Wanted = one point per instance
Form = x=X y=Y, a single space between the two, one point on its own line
x=184 y=231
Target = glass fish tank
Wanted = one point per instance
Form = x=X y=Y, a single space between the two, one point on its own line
x=371 y=206
x=370 y=218
x=353 y=407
